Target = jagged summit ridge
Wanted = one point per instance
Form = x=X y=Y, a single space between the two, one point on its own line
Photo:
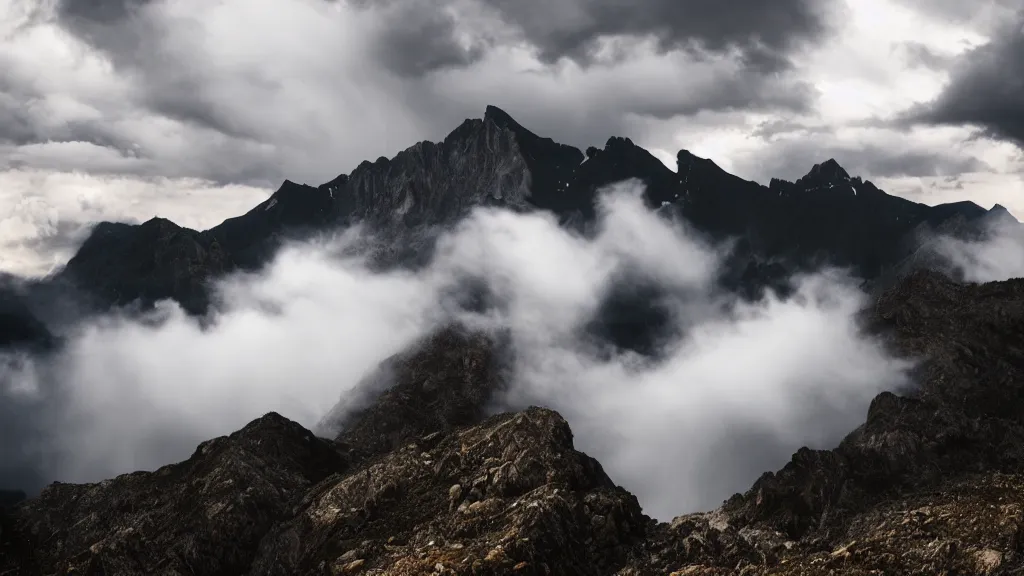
x=830 y=170
x=1000 y=216
x=495 y=161
x=827 y=176
x=501 y=118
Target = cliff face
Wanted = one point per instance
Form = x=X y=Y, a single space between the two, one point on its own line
x=929 y=484
x=478 y=164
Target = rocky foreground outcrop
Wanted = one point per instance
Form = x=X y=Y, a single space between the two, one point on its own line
x=932 y=483
x=205 y=515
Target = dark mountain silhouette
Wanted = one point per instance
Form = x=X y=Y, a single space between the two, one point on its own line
x=825 y=217
x=419 y=480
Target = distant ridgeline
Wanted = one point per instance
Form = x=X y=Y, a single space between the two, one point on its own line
x=824 y=217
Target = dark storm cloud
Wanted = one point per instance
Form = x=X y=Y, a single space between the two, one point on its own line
x=231 y=121
x=22 y=124
x=173 y=86
x=179 y=94
x=169 y=85
x=16 y=126
x=418 y=38
x=764 y=33
x=17 y=123
x=98 y=11
x=421 y=38
x=716 y=35
x=425 y=46
x=108 y=25
x=105 y=25
x=246 y=124
x=986 y=89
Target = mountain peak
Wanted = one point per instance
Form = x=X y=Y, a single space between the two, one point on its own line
x=1000 y=210
x=829 y=169
x=289 y=185
x=501 y=118
x=685 y=159
x=159 y=226
x=531 y=142
x=158 y=221
x=619 y=141
x=827 y=174
x=1000 y=214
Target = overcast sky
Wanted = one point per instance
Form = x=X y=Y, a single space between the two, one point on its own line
x=195 y=110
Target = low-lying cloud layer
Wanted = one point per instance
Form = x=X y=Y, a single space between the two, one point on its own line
x=997 y=256
x=733 y=392
x=731 y=401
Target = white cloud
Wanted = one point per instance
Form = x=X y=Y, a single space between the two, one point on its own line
x=996 y=257
x=299 y=92
x=139 y=394
x=745 y=386
x=293 y=87
x=863 y=72
x=732 y=400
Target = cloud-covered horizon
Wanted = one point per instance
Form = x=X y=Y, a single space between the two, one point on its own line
x=178 y=102
x=734 y=391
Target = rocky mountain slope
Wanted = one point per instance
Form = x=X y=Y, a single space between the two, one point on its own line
x=412 y=475
x=931 y=483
